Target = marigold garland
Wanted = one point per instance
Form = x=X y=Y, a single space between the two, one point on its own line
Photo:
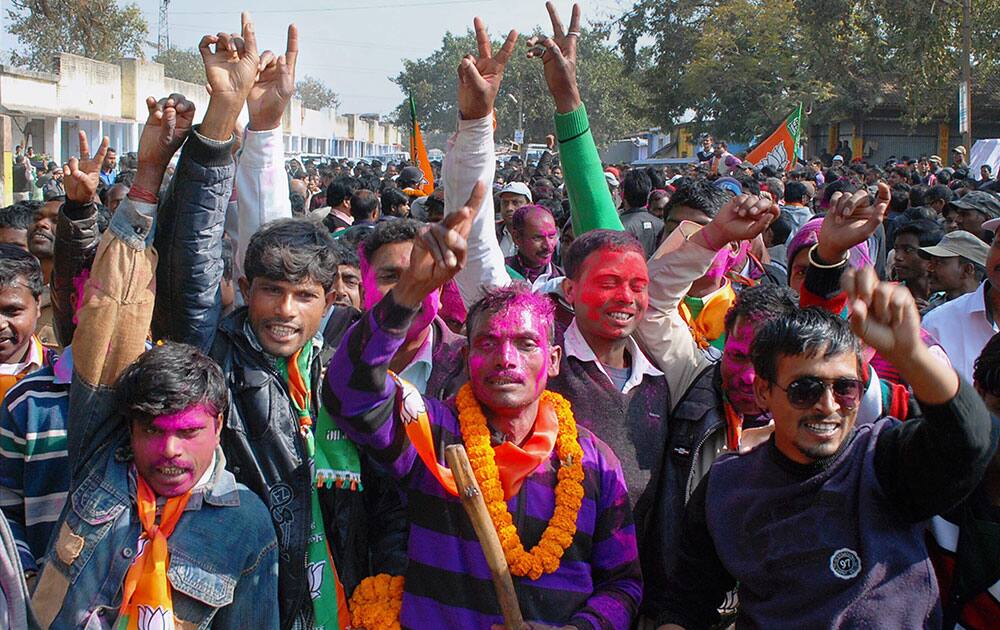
x=558 y=535
x=376 y=602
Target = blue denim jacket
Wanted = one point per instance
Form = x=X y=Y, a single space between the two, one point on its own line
x=223 y=553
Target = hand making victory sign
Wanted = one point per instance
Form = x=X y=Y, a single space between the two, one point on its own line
x=81 y=177
x=558 y=54
x=479 y=77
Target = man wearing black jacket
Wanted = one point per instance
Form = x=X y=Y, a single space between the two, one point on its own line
x=270 y=351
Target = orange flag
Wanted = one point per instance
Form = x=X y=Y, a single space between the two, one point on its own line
x=418 y=152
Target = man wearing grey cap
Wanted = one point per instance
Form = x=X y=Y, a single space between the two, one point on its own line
x=512 y=196
x=957 y=265
x=975 y=210
x=965 y=324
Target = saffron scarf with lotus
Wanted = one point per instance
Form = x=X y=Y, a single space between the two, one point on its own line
x=146 y=596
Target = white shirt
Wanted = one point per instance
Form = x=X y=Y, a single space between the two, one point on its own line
x=576 y=346
x=471 y=158
x=962 y=328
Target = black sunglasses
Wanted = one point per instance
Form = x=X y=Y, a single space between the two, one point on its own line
x=805 y=391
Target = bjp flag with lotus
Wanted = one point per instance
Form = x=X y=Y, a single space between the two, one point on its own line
x=780 y=149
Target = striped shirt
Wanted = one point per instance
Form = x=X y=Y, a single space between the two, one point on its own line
x=34 y=466
x=598 y=583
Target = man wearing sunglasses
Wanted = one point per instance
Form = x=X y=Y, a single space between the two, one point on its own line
x=823 y=525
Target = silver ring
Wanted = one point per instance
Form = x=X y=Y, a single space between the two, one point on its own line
x=573 y=34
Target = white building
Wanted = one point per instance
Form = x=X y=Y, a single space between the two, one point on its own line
x=47 y=110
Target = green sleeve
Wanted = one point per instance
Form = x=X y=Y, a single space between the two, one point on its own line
x=590 y=200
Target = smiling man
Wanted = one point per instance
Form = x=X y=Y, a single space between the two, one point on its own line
x=277 y=438
x=603 y=371
x=833 y=509
x=20 y=290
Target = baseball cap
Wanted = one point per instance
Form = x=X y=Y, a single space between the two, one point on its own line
x=730 y=184
x=838 y=158
x=936 y=159
x=410 y=176
x=983 y=202
x=959 y=149
x=959 y=243
x=611 y=179
x=518 y=188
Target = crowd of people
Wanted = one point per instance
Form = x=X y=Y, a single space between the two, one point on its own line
x=690 y=397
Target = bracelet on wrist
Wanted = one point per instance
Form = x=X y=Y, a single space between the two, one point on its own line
x=712 y=244
x=819 y=263
x=138 y=193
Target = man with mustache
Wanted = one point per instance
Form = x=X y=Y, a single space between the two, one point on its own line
x=526 y=439
x=835 y=508
x=535 y=235
x=152 y=503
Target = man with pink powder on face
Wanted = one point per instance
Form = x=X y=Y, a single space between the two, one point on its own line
x=536 y=236
x=595 y=580
x=156 y=531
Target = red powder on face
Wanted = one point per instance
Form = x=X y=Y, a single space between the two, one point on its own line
x=612 y=293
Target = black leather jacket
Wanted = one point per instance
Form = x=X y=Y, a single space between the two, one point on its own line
x=264 y=453
x=261 y=437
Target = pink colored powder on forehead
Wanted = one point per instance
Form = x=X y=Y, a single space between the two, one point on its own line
x=507 y=318
x=192 y=417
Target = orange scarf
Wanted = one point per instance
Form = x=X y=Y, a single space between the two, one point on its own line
x=514 y=463
x=734 y=428
x=146 y=595
x=711 y=321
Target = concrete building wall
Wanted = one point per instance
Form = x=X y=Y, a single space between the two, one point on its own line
x=48 y=110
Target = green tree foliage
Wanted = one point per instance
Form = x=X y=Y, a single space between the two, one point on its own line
x=607 y=92
x=183 y=65
x=98 y=29
x=741 y=64
x=315 y=94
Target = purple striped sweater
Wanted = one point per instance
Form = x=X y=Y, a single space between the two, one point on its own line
x=598 y=584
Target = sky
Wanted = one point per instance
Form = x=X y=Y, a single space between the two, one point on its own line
x=355 y=46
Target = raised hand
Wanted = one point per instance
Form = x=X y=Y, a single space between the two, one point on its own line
x=479 y=77
x=82 y=176
x=167 y=125
x=850 y=220
x=883 y=314
x=558 y=55
x=439 y=252
x=743 y=218
x=231 y=66
x=275 y=85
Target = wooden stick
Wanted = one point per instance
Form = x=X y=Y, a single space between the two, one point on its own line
x=475 y=507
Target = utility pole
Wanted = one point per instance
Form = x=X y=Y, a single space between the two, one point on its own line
x=965 y=122
x=163 y=37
